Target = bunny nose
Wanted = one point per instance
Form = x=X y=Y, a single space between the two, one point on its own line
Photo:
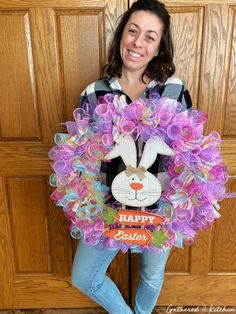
x=136 y=186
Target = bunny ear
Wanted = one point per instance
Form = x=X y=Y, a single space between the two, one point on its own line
x=126 y=149
x=153 y=147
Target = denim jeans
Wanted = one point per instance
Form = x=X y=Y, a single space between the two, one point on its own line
x=89 y=275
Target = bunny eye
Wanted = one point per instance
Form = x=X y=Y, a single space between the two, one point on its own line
x=133 y=179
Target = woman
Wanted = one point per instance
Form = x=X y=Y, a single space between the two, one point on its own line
x=140 y=62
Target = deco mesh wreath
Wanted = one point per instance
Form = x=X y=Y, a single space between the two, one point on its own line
x=197 y=175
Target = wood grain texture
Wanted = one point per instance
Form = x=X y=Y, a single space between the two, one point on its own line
x=230 y=117
x=49 y=292
x=28 y=158
x=198 y=290
x=52 y=4
x=211 y=98
x=7 y=297
x=134 y=276
x=178 y=260
x=228 y=149
x=198 y=2
x=28 y=224
x=46 y=63
x=224 y=236
x=187 y=30
x=80 y=36
x=113 y=12
x=201 y=253
x=18 y=90
x=59 y=238
x=192 y=2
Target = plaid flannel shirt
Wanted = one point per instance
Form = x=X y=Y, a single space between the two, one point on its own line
x=173 y=88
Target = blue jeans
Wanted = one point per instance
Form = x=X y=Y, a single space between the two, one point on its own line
x=89 y=275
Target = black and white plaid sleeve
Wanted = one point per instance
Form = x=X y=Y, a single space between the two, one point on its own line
x=89 y=97
x=175 y=88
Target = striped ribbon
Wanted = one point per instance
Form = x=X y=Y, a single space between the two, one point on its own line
x=119 y=103
x=181 y=199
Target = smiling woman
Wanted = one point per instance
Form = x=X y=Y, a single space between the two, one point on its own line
x=140 y=68
x=140 y=43
x=148 y=26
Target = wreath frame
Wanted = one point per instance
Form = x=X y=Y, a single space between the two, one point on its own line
x=197 y=172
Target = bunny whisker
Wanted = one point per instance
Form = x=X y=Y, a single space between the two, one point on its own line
x=149 y=193
x=122 y=192
x=121 y=189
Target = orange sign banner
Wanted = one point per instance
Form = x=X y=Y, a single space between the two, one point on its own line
x=138 y=218
x=130 y=235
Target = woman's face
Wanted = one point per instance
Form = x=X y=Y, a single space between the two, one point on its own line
x=140 y=40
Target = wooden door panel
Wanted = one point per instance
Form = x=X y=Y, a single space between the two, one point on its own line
x=213 y=77
x=204 y=41
x=49 y=52
x=19 y=98
x=28 y=224
x=47 y=70
x=61 y=248
x=230 y=96
x=224 y=239
x=187 y=30
x=7 y=297
x=80 y=34
x=198 y=290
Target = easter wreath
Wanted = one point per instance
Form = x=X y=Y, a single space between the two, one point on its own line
x=197 y=175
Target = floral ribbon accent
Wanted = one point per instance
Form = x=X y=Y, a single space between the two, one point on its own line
x=138 y=171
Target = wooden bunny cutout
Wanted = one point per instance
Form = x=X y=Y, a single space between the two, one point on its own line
x=136 y=186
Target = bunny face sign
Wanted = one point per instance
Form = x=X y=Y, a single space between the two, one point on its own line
x=136 y=186
x=134 y=190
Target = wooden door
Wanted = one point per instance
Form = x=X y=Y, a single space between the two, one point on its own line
x=205 y=56
x=49 y=51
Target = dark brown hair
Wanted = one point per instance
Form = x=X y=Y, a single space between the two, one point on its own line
x=160 y=67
